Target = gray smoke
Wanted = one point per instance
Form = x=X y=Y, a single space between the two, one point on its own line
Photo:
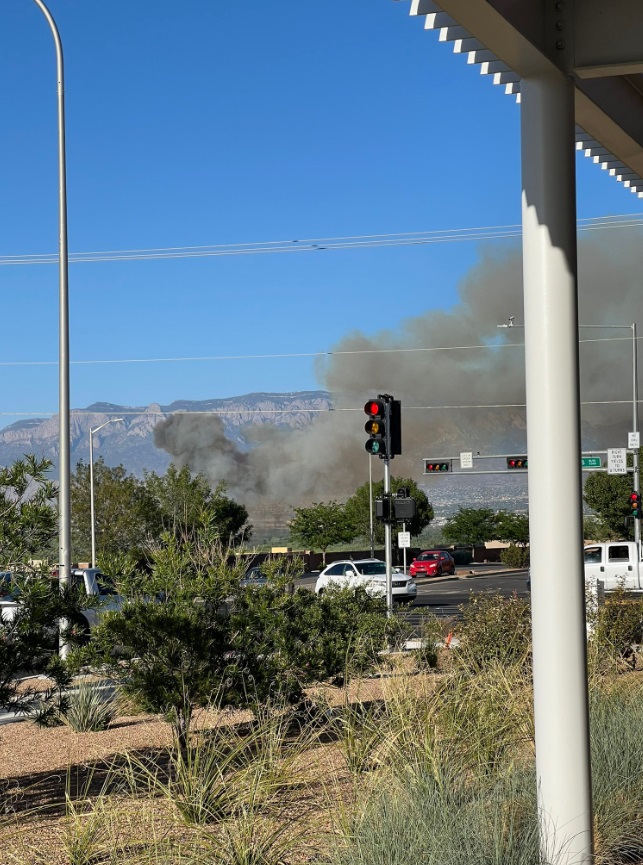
x=327 y=460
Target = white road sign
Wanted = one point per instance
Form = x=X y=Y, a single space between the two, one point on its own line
x=403 y=539
x=633 y=440
x=617 y=461
x=466 y=460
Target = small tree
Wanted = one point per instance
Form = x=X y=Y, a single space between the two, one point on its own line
x=187 y=503
x=125 y=514
x=472 y=526
x=172 y=632
x=28 y=518
x=358 y=508
x=608 y=496
x=514 y=528
x=322 y=525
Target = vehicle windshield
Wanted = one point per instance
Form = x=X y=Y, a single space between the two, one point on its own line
x=371 y=568
x=427 y=557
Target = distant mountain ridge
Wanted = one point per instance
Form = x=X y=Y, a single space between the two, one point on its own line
x=131 y=442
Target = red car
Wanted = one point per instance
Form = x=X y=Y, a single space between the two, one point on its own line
x=432 y=563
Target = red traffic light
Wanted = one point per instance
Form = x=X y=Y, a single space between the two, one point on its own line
x=517 y=462
x=375 y=408
x=431 y=466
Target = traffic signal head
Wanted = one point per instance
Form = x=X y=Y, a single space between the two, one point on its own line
x=635 y=505
x=432 y=466
x=516 y=462
x=375 y=426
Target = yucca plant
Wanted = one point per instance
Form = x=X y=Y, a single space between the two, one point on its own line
x=90 y=707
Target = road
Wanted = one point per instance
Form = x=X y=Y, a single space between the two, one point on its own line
x=443 y=596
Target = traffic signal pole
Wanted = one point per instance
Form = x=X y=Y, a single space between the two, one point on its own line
x=387 y=541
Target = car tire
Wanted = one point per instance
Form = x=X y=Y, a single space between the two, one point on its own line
x=320 y=593
x=81 y=625
x=439 y=573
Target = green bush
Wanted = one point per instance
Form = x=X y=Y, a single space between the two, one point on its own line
x=494 y=628
x=515 y=556
x=617 y=626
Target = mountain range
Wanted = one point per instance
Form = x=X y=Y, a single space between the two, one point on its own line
x=131 y=440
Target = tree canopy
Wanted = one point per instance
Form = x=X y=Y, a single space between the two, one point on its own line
x=28 y=514
x=609 y=497
x=126 y=515
x=358 y=508
x=322 y=525
x=471 y=526
x=187 y=503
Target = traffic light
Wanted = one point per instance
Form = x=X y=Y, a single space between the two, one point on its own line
x=516 y=462
x=383 y=507
x=375 y=426
x=635 y=505
x=432 y=466
x=395 y=427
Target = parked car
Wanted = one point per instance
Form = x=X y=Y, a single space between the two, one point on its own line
x=432 y=563
x=253 y=577
x=91 y=580
x=369 y=574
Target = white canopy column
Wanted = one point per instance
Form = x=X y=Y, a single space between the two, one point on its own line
x=555 y=495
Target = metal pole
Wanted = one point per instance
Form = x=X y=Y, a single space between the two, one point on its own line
x=91 y=495
x=370 y=504
x=64 y=498
x=387 y=541
x=404 y=550
x=91 y=481
x=635 y=428
x=555 y=493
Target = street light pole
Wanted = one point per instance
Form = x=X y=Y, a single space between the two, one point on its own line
x=91 y=482
x=64 y=470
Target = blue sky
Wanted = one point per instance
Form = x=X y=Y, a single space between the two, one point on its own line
x=211 y=122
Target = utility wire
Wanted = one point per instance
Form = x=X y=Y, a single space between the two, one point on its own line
x=365 y=241
x=331 y=353
x=242 y=411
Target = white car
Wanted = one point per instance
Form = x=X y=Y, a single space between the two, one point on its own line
x=369 y=574
x=91 y=580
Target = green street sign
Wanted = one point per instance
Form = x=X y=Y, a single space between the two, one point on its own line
x=591 y=462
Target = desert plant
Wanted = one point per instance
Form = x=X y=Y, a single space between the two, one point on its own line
x=617 y=771
x=90 y=707
x=486 y=715
x=359 y=733
x=617 y=626
x=442 y=817
x=493 y=629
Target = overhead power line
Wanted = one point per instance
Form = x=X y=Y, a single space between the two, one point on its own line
x=278 y=355
x=250 y=411
x=318 y=244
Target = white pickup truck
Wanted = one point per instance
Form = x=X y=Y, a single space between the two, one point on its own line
x=616 y=563
x=94 y=582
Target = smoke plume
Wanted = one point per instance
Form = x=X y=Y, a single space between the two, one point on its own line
x=327 y=460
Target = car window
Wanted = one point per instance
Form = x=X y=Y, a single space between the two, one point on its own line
x=593 y=556
x=349 y=571
x=371 y=568
x=335 y=570
x=618 y=554
x=427 y=557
